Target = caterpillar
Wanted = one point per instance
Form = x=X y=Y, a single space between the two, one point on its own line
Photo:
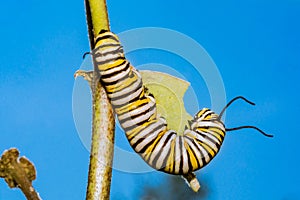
x=161 y=148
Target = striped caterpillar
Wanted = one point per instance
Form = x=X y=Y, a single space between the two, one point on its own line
x=161 y=148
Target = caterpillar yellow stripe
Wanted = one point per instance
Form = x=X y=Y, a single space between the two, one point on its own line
x=147 y=133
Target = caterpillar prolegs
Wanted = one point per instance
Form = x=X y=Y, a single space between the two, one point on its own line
x=147 y=133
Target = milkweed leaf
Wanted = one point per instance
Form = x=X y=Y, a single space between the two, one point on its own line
x=168 y=92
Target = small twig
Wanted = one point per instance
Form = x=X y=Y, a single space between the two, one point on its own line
x=18 y=172
x=88 y=76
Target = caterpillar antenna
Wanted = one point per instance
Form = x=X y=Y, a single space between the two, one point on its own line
x=252 y=127
x=85 y=54
x=230 y=102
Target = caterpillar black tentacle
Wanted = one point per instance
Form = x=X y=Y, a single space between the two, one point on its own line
x=147 y=133
x=85 y=54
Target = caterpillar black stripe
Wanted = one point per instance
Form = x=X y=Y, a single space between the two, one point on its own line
x=162 y=149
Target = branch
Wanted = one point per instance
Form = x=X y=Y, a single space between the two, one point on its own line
x=103 y=125
x=18 y=172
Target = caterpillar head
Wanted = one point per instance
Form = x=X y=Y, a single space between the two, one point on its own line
x=206 y=118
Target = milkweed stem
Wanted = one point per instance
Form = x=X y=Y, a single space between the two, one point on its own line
x=103 y=123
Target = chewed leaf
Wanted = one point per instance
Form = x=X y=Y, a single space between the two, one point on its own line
x=168 y=92
x=13 y=168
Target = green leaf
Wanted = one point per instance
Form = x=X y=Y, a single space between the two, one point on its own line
x=168 y=92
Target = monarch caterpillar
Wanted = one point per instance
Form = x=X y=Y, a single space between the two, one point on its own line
x=147 y=133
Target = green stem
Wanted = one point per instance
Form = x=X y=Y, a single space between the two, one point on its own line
x=103 y=125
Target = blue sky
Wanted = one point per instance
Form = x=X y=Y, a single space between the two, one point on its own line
x=255 y=44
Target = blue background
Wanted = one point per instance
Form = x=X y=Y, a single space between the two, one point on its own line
x=255 y=44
